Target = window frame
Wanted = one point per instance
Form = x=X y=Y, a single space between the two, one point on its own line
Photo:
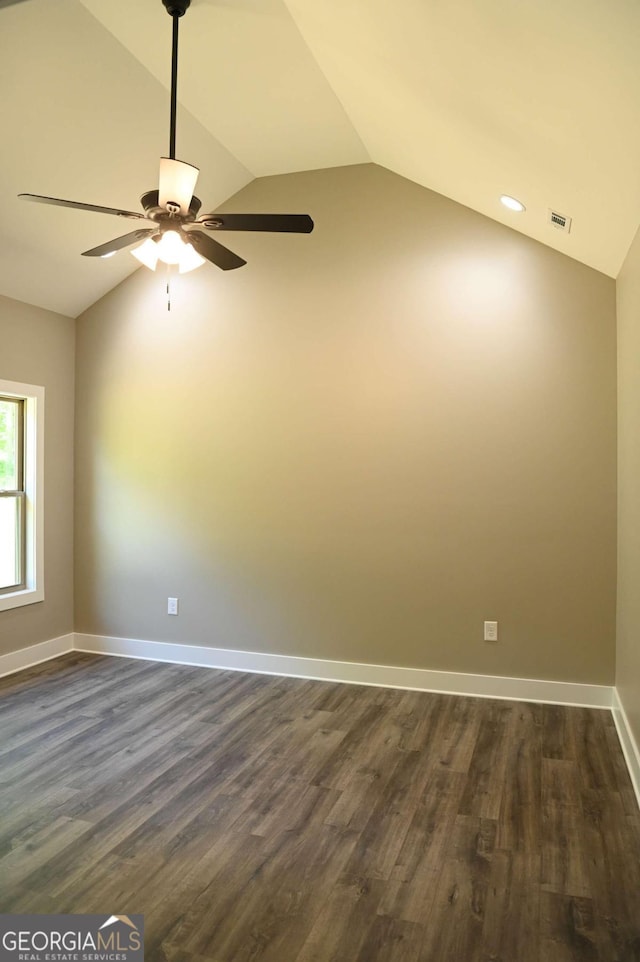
x=32 y=502
x=17 y=494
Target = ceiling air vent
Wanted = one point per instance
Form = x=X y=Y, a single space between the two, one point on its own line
x=560 y=221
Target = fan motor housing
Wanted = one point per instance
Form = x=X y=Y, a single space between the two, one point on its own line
x=153 y=209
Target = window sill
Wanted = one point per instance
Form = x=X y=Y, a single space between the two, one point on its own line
x=16 y=599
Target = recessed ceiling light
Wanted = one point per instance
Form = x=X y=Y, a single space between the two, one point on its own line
x=512 y=203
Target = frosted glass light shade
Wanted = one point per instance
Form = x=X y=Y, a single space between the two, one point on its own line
x=170 y=249
x=177 y=183
x=147 y=254
x=189 y=259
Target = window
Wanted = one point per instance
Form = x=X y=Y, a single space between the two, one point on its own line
x=21 y=494
x=12 y=495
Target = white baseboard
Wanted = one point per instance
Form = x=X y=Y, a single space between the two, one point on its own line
x=630 y=748
x=27 y=657
x=385 y=676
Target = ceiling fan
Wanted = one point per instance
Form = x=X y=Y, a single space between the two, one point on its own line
x=171 y=230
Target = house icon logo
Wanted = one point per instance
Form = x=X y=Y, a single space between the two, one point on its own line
x=119 y=918
x=122 y=935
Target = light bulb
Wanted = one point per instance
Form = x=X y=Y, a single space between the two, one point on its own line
x=170 y=247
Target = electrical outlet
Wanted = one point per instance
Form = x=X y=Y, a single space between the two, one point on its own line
x=172 y=606
x=491 y=631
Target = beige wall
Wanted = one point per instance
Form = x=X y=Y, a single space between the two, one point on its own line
x=628 y=644
x=359 y=446
x=37 y=347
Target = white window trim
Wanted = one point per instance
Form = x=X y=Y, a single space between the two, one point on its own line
x=33 y=395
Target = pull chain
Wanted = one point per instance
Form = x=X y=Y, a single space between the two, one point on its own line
x=168 y=287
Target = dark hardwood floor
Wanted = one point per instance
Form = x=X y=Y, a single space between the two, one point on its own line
x=280 y=820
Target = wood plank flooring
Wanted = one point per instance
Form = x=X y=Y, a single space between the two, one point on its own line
x=263 y=819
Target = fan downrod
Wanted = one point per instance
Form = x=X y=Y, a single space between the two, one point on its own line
x=176 y=8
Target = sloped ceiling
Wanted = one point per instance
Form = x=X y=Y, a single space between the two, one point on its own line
x=471 y=98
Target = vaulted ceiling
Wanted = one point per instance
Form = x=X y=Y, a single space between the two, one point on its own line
x=471 y=98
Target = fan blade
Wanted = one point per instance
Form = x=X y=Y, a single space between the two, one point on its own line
x=8 y=3
x=223 y=258
x=58 y=202
x=177 y=183
x=278 y=223
x=119 y=242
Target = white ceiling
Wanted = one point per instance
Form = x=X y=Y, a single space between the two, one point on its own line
x=471 y=98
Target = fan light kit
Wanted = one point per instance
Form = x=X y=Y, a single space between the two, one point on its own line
x=512 y=203
x=172 y=231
